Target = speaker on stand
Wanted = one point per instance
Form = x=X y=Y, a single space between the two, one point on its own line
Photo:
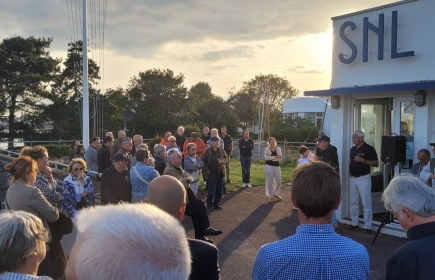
x=393 y=151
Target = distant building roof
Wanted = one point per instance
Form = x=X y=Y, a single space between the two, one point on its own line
x=304 y=105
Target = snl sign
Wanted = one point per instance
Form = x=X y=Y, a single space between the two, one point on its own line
x=379 y=31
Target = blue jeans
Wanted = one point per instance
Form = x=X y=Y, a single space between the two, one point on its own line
x=246 y=168
x=334 y=221
x=215 y=184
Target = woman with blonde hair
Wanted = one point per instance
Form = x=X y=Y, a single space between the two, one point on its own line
x=44 y=178
x=22 y=195
x=273 y=155
x=78 y=190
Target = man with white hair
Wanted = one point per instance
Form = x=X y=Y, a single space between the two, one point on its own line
x=215 y=133
x=128 y=241
x=118 y=143
x=180 y=138
x=362 y=158
x=169 y=194
x=412 y=202
x=137 y=140
x=172 y=143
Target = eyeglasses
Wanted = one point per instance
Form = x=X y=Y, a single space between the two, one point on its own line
x=172 y=141
x=48 y=158
x=77 y=169
x=193 y=149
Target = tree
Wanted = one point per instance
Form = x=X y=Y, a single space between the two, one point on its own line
x=26 y=73
x=66 y=110
x=159 y=99
x=244 y=106
x=199 y=93
x=215 y=112
x=279 y=89
x=114 y=104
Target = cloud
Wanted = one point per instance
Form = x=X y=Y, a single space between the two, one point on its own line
x=238 y=51
x=304 y=69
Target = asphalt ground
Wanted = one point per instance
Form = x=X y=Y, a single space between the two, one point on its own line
x=248 y=221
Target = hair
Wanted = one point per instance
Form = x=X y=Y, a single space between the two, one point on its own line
x=180 y=127
x=34 y=152
x=107 y=139
x=19 y=167
x=223 y=127
x=171 y=153
x=141 y=155
x=73 y=143
x=142 y=146
x=245 y=130
x=129 y=241
x=78 y=149
x=360 y=133
x=167 y=193
x=302 y=149
x=214 y=129
x=205 y=127
x=270 y=138
x=170 y=138
x=20 y=233
x=425 y=152
x=316 y=188
x=168 y=133
x=74 y=161
x=158 y=149
x=93 y=139
x=408 y=191
x=190 y=145
x=126 y=139
x=109 y=133
x=121 y=132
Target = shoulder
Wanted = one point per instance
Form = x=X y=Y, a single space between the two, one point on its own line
x=201 y=246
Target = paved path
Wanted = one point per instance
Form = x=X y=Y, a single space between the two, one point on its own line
x=249 y=221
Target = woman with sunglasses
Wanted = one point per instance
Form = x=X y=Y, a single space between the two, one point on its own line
x=192 y=164
x=78 y=191
x=44 y=178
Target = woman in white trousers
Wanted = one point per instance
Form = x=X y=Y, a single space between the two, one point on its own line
x=273 y=156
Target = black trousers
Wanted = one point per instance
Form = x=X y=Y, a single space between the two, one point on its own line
x=196 y=210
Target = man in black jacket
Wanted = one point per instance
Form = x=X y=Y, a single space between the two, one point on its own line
x=168 y=194
x=328 y=153
x=104 y=159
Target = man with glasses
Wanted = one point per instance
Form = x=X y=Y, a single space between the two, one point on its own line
x=425 y=166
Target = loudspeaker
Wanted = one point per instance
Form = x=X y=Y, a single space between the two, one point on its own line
x=393 y=149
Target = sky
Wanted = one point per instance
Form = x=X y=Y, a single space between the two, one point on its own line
x=223 y=43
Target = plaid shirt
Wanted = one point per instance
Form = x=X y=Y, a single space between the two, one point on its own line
x=314 y=252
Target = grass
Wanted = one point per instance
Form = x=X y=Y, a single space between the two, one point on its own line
x=258 y=177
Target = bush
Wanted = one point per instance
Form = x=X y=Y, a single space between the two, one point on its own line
x=57 y=151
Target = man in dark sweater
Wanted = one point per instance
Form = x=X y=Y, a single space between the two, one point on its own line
x=115 y=182
x=205 y=134
x=180 y=138
x=246 y=145
x=104 y=159
x=412 y=202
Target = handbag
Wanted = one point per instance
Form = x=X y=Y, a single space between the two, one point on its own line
x=195 y=176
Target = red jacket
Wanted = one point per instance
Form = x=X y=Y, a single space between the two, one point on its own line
x=200 y=146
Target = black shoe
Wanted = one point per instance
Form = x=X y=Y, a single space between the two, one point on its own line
x=217 y=207
x=210 y=208
x=367 y=231
x=203 y=238
x=352 y=227
x=212 y=231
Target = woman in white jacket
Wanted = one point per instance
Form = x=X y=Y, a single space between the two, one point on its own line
x=273 y=156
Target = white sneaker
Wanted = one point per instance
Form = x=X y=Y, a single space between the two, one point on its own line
x=244 y=185
x=248 y=185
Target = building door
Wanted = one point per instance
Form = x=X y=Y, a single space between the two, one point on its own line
x=373 y=117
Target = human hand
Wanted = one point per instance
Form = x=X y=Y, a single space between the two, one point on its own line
x=358 y=159
x=278 y=156
x=48 y=172
x=84 y=193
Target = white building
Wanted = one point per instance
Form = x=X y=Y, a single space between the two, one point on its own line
x=383 y=74
x=316 y=109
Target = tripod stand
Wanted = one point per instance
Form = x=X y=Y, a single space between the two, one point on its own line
x=388 y=218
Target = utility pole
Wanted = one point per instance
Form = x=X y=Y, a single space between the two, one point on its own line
x=85 y=128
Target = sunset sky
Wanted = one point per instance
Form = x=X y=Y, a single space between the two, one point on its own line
x=220 y=42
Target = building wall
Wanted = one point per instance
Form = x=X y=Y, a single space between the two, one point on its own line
x=415 y=29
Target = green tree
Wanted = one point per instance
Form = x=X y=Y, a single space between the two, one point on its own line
x=244 y=106
x=66 y=110
x=199 y=93
x=114 y=104
x=215 y=112
x=159 y=99
x=26 y=73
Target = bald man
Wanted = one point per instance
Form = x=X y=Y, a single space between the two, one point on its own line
x=168 y=194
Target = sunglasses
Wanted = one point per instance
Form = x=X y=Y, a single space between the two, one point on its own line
x=193 y=149
x=172 y=141
x=77 y=169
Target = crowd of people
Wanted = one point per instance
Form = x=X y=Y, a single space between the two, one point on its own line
x=136 y=232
